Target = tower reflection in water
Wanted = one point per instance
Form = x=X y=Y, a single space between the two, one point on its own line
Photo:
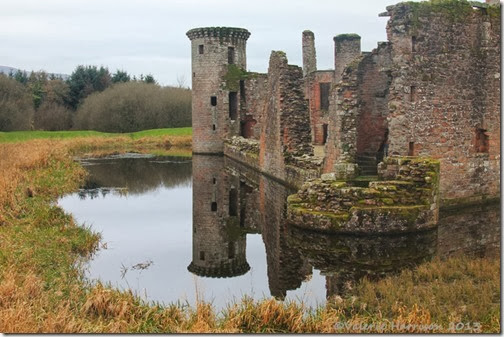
x=231 y=200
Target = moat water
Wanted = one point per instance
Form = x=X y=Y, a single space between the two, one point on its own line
x=179 y=229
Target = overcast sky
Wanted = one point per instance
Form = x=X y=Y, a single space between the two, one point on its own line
x=149 y=36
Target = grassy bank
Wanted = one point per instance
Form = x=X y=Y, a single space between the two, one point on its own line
x=42 y=288
x=19 y=136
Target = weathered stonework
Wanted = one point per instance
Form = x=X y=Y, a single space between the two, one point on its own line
x=407 y=201
x=445 y=92
x=432 y=90
x=211 y=49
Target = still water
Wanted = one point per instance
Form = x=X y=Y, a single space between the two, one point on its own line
x=181 y=229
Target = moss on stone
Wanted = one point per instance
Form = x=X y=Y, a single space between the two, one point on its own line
x=346 y=37
x=407 y=213
x=453 y=10
x=233 y=77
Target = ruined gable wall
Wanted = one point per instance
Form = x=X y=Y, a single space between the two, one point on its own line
x=286 y=130
x=446 y=86
x=343 y=113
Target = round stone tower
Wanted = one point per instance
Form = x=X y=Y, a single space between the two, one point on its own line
x=218 y=57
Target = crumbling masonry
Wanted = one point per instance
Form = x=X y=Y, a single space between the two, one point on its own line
x=432 y=90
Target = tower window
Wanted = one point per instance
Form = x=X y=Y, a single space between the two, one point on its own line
x=201 y=49
x=213 y=127
x=213 y=207
x=325 y=133
x=324 y=95
x=231 y=55
x=481 y=143
x=233 y=202
x=413 y=94
x=214 y=181
x=411 y=150
x=233 y=106
x=213 y=100
x=202 y=256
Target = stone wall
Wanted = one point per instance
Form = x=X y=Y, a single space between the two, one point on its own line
x=347 y=47
x=374 y=81
x=253 y=104
x=285 y=133
x=445 y=94
x=318 y=116
x=406 y=200
x=343 y=113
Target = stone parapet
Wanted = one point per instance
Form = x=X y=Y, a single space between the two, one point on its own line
x=218 y=32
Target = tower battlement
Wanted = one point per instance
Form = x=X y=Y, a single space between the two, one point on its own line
x=218 y=32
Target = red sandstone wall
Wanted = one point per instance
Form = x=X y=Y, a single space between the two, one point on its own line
x=452 y=59
x=318 y=117
x=374 y=81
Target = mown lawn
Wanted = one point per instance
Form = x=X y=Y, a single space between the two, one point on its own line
x=19 y=136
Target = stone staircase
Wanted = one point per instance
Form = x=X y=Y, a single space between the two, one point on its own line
x=368 y=164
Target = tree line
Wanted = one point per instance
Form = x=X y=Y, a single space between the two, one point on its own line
x=92 y=98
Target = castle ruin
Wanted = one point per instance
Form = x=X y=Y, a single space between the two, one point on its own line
x=432 y=90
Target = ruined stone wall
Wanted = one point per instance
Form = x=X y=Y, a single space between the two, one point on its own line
x=347 y=47
x=445 y=93
x=210 y=65
x=343 y=113
x=373 y=80
x=253 y=104
x=286 y=130
x=309 y=53
x=318 y=116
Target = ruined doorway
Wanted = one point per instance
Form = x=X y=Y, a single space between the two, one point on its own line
x=247 y=128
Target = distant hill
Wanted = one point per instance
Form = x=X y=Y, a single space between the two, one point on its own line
x=7 y=70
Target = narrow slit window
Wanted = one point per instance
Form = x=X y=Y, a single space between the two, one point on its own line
x=231 y=55
x=233 y=106
x=213 y=127
x=213 y=100
x=482 y=141
x=193 y=74
x=325 y=133
x=413 y=93
x=214 y=181
x=242 y=90
x=201 y=49
x=202 y=256
x=233 y=202
x=213 y=207
x=413 y=43
x=324 y=95
x=411 y=150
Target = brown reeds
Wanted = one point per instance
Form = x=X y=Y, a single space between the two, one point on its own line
x=42 y=290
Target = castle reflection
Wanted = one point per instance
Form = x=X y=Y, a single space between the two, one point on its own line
x=231 y=200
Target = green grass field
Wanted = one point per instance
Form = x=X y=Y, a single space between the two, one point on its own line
x=18 y=136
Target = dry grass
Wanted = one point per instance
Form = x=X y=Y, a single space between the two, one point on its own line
x=42 y=290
